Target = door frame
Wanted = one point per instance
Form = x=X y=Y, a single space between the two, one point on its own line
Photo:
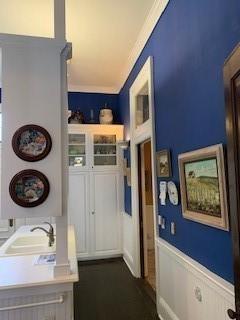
x=138 y=135
x=231 y=72
x=142 y=204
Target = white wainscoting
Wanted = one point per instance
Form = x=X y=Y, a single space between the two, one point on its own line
x=127 y=237
x=182 y=280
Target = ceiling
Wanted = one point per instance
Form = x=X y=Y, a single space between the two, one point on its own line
x=103 y=34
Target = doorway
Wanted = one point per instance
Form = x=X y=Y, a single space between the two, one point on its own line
x=146 y=215
x=232 y=97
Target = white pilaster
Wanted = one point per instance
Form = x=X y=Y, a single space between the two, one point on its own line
x=59 y=20
x=62 y=264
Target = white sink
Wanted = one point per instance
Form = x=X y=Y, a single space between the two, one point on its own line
x=31 y=244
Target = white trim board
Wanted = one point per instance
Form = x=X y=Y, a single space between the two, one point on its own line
x=143 y=132
x=127 y=237
x=178 y=278
x=92 y=89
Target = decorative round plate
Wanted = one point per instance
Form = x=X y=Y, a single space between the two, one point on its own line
x=29 y=188
x=173 y=193
x=31 y=143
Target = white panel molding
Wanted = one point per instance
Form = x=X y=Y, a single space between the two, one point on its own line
x=154 y=15
x=93 y=89
x=178 y=278
x=128 y=241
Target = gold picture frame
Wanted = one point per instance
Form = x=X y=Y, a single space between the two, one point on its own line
x=203 y=186
x=163 y=162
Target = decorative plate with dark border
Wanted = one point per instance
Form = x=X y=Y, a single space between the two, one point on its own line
x=29 y=188
x=31 y=143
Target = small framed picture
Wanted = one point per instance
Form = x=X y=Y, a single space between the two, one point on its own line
x=31 y=143
x=163 y=160
x=29 y=188
x=203 y=186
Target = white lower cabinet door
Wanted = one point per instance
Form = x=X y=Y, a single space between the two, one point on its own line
x=78 y=210
x=105 y=220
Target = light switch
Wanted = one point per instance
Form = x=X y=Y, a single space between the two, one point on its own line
x=163 y=224
x=159 y=220
x=173 y=228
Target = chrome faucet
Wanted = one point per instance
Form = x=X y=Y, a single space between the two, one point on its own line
x=49 y=233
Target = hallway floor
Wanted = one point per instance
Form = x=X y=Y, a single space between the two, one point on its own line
x=107 y=290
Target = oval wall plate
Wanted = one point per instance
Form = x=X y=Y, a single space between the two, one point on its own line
x=173 y=193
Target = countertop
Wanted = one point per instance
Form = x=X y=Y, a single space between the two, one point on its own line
x=20 y=271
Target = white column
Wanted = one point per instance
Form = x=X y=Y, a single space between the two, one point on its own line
x=62 y=264
x=59 y=20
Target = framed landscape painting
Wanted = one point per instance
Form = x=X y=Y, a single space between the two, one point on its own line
x=203 y=186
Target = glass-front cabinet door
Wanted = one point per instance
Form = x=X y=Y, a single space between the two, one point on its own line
x=77 y=150
x=104 y=150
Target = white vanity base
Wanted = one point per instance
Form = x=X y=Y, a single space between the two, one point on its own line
x=32 y=292
x=53 y=302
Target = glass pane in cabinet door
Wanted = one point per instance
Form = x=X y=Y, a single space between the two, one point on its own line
x=76 y=138
x=76 y=161
x=105 y=160
x=104 y=139
x=76 y=150
x=105 y=149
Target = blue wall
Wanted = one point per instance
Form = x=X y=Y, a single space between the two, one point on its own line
x=87 y=101
x=189 y=45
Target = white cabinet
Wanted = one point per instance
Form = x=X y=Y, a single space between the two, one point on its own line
x=79 y=211
x=106 y=222
x=95 y=189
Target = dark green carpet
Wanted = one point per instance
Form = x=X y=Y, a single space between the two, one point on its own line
x=107 y=291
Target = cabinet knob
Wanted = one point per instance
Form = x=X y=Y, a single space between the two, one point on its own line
x=93 y=212
x=10 y=222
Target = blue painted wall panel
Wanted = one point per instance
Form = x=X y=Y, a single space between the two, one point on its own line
x=189 y=46
x=87 y=101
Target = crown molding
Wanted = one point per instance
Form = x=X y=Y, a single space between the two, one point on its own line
x=92 y=89
x=154 y=15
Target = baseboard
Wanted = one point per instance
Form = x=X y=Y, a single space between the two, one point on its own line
x=128 y=241
x=99 y=257
x=166 y=312
x=187 y=290
x=129 y=262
